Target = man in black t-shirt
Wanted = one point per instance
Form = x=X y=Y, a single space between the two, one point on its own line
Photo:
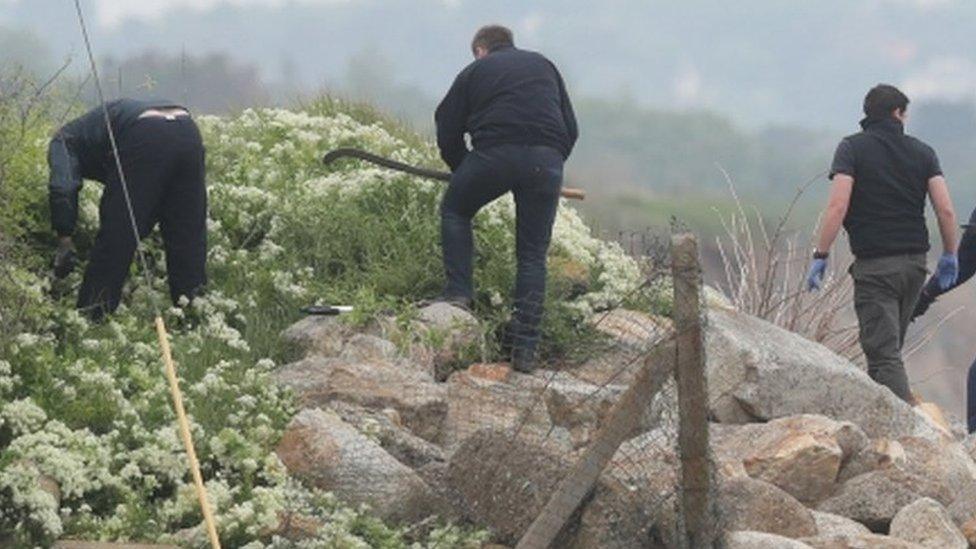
x=881 y=178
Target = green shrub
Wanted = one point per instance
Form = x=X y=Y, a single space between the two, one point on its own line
x=88 y=406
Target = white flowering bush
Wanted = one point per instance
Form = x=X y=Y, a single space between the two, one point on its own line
x=85 y=409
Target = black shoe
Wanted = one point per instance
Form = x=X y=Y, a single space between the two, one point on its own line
x=523 y=360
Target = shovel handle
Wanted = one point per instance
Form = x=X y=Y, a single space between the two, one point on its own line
x=573 y=193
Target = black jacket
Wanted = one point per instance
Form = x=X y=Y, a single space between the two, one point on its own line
x=891 y=174
x=509 y=97
x=81 y=150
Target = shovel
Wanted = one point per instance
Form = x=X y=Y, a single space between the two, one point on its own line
x=348 y=152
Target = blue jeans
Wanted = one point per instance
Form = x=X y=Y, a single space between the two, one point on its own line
x=534 y=176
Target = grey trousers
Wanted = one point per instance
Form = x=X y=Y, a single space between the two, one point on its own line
x=885 y=292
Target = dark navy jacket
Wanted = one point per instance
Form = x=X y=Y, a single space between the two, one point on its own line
x=891 y=172
x=81 y=150
x=509 y=97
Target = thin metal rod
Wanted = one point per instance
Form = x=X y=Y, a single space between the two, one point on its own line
x=140 y=252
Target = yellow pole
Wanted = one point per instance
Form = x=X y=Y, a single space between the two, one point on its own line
x=174 y=387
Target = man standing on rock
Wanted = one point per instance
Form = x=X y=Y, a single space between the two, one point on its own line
x=513 y=105
x=881 y=178
x=162 y=159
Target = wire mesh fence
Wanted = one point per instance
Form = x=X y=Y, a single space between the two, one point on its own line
x=585 y=451
x=595 y=447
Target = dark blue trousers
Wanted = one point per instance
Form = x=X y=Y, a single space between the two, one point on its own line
x=534 y=176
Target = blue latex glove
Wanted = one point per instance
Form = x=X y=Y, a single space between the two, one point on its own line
x=815 y=276
x=948 y=270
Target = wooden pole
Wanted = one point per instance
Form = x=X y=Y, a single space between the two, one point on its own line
x=620 y=424
x=191 y=454
x=696 y=498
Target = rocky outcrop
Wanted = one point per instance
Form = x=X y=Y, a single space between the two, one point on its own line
x=501 y=481
x=475 y=403
x=860 y=541
x=631 y=329
x=321 y=449
x=318 y=381
x=316 y=335
x=387 y=429
x=801 y=454
x=927 y=523
x=796 y=428
x=634 y=500
x=759 y=372
x=881 y=453
x=829 y=525
x=874 y=498
x=441 y=334
x=749 y=504
x=761 y=540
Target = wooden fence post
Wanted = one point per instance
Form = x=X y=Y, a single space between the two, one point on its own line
x=657 y=367
x=697 y=505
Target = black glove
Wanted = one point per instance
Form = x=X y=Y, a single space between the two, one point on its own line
x=65 y=260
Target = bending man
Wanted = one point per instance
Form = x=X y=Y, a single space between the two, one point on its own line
x=162 y=159
x=513 y=105
x=881 y=178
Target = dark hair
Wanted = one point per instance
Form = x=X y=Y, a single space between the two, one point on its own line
x=883 y=99
x=492 y=37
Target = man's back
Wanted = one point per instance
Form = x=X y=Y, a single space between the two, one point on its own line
x=510 y=97
x=891 y=172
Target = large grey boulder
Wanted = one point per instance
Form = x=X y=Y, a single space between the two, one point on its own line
x=761 y=540
x=368 y=348
x=880 y=453
x=328 y=453
x=502 y=481
x=836 y=525
x=441 y=334
x=318 y=381
x=315 y=335
x=888 y=475
x=944 y=461
x=749 y=504
x=800 y=454
x=927 y=523
x=874 y=498
x=859 y=541
x=758 y=371
x=963 y=510
x=386 y=428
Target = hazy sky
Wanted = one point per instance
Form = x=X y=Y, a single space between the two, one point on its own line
x=758 y=61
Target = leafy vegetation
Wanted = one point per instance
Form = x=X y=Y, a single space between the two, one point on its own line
x=85 y=406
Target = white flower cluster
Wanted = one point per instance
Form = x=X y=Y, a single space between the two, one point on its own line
x=90 y=409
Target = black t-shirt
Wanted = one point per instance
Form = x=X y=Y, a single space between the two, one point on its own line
x=891 y=172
